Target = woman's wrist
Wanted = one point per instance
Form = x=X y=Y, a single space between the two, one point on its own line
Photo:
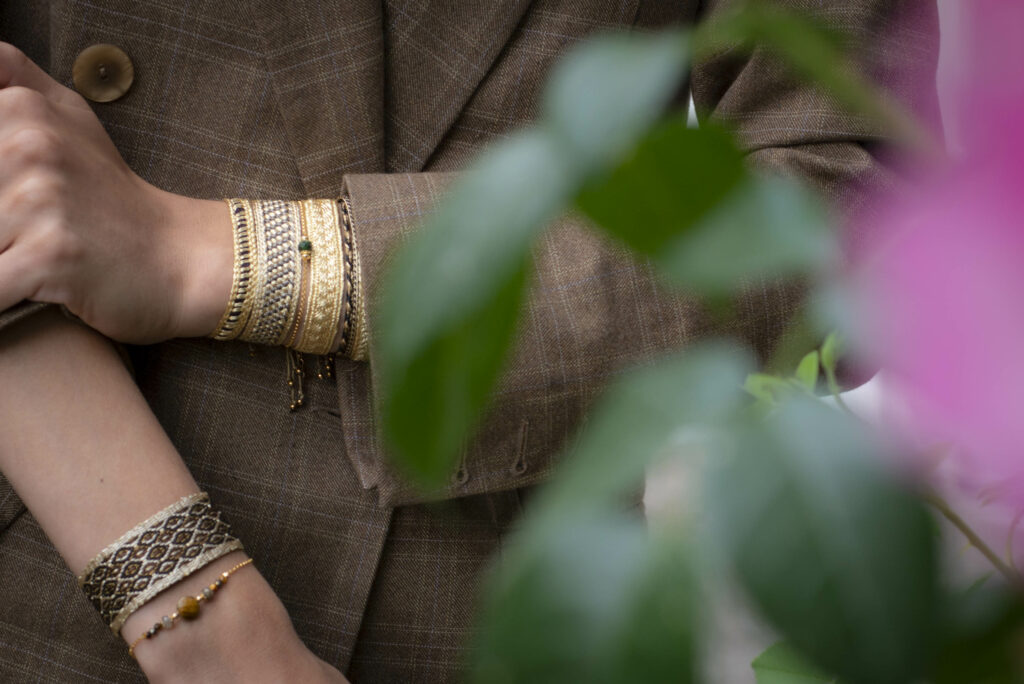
x=199 y=255
x=242 y=634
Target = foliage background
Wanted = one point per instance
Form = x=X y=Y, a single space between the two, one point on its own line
x=796 y=500
x=735 y=634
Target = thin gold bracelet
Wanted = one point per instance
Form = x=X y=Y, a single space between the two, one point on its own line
x=188 y=606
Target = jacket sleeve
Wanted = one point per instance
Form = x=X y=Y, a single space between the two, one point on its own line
x=594 y=309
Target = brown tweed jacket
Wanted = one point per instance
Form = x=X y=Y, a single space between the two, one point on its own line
x=383 y=100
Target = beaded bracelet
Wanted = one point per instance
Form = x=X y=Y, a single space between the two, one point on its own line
x=188 y=607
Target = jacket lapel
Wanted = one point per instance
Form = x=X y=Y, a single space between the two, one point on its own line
x=326 y=63
x=436 y=55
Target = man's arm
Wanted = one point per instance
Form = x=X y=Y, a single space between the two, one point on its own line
x=90 y=461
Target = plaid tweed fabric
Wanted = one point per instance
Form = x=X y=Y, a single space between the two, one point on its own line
x=385 y=100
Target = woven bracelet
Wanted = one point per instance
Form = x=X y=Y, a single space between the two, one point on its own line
x=154 y=555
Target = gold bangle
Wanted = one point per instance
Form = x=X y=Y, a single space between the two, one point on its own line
x=296 y=266
x=305 y=248
x=257 y=298
x=250 y=297
x=232 y=321
x=326 y=278
x=188 y=606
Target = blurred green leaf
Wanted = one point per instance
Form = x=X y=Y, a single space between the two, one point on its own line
x=802 y=332
x=768 y=389
x=453 y=292
x=833 y=552
x=766 y=227
x=445 y=387
x=984 y=629
x=606 y=93
x=637 y=420
x=807 y=371
x=780 y=664
x=674 y=177
x=831 y=350
x=581 y=594
x=452 y=296
x=589 y=599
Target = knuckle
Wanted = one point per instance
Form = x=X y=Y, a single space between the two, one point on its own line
x=23 y=102
x=36 y=192
x=32 y=147
x=12 y=60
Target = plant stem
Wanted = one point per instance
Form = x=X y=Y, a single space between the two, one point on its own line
x=833 y=387
x=942 y=507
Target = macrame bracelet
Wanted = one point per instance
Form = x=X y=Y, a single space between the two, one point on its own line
x=153 y=555
x=188 y=607
x=358 y=339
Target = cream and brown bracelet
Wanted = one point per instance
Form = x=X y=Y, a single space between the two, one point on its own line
x=155 y=554
x=188 y=607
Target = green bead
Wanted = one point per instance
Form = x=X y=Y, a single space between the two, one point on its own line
x=305 y=246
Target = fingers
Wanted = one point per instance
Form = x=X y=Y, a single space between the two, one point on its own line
x=16 y=69
x=19 y=279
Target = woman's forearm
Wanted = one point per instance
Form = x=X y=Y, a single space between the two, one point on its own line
x=89 y=459
x=79 y=444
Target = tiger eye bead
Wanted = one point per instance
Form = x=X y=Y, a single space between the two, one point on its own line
x=188 y=607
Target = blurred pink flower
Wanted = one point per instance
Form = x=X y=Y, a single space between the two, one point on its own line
x=942 y=291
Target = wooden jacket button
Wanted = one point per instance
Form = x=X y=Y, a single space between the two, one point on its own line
x=102 y=73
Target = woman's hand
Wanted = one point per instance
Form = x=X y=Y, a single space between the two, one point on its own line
x=79 y=228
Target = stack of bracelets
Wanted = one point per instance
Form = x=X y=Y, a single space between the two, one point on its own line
x=157 y=553
x=296 y=278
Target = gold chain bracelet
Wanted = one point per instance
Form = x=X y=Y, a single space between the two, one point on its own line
x=188 y=607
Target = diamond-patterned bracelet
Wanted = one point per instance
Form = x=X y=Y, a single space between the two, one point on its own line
x=188 y=607
x=155 y=554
